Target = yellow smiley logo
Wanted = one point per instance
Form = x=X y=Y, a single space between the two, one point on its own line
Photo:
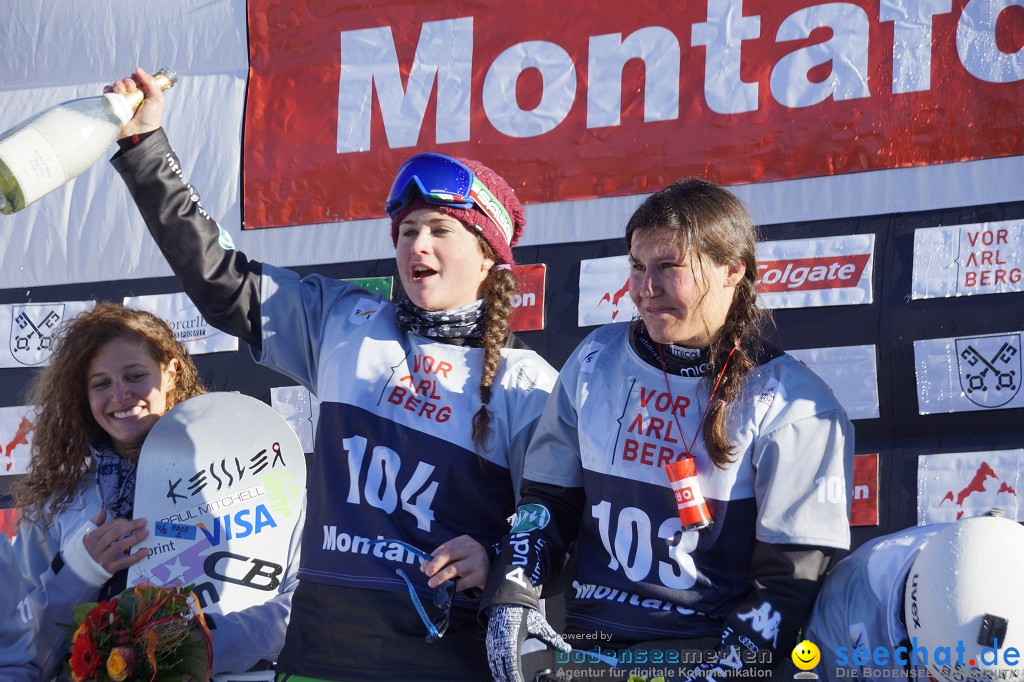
x=806 y=655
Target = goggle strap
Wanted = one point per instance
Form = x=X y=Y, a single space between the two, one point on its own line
x=492 y=208
x=420 y=611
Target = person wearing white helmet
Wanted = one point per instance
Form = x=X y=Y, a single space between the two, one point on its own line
x=944 y=601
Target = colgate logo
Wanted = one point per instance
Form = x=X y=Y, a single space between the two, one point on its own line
x=806 y=274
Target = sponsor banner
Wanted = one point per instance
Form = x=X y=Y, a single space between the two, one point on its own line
x=29 y=329
x=852 y=374
x=15 y=439
x=189 y=325
x=966 y=260
x=968 y=373
x=301 y=409
x=738 y=91
x=604 y=291
x=803 y=273
x=378 y=285
x=207 y=42
x=528 y=303
x=957 y=484
x=864 y=510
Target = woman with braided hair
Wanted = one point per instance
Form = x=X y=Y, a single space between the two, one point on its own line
x=427 y=406
x=692 y=380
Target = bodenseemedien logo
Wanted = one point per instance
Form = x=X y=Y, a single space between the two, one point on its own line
x=531 y=517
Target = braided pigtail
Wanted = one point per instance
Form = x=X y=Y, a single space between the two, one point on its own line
x=742 y=331
x=499 y=289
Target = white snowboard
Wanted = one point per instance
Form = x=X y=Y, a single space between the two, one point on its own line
x=221 y=480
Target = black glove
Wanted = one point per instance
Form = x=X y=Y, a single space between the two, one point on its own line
x=508 y=626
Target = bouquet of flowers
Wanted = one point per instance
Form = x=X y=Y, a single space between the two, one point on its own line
x=145 y=633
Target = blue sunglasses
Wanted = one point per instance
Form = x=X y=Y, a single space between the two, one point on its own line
x=444 y=594
x=444 y=181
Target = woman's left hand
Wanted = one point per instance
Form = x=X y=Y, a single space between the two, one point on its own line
x=462 y=559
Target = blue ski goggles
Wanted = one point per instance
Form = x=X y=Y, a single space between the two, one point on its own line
x=444 y=181
x=444 y=595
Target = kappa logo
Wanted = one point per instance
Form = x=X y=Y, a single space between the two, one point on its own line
x=366 y=309
x=765 y=620
x=32 y=329
x=989 y=368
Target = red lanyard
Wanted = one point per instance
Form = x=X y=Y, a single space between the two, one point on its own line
x=711 y=398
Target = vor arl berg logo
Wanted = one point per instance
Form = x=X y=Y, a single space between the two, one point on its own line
x=32 y=328
x=989 y=368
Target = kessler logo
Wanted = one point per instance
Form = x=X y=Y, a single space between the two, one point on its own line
x=807 y=274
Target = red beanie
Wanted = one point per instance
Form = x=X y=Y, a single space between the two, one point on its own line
x=475 y=220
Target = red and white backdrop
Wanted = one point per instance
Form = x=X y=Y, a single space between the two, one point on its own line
x=290 y=117
x=741 y=91
x=809 y=110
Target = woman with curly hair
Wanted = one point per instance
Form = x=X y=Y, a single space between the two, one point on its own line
x=113 y=373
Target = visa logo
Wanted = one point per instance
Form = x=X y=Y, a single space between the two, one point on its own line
x=238 y=525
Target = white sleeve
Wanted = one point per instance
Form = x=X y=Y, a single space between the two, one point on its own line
x=52 y=596
x=804 y=481
x=554 y=454
x=17 y=652
x=294 y=314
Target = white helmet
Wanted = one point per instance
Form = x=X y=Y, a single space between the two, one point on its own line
x=966 y=589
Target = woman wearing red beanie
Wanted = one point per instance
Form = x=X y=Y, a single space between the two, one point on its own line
x=427 y=406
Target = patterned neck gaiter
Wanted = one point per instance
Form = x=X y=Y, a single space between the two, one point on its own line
x=460 y=323
x=116 y=480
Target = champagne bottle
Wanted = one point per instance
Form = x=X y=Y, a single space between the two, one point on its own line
x=55 y=146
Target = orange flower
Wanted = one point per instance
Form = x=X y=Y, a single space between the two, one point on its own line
x=120 y=663
x=118 y=640
x=84 y=659
x=82 y=630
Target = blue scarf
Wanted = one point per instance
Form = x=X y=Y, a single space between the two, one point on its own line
x=115 y=477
